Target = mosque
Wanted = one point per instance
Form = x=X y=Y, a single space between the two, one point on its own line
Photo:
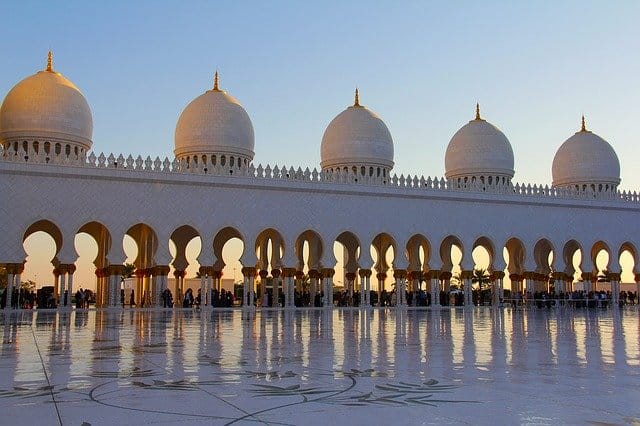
x=289 y=218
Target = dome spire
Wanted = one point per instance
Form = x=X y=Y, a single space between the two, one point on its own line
x=584 y=126
x=50 y=61
x=216 y=80
x=478 y=111
x=356 y=102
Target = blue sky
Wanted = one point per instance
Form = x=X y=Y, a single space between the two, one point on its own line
x=534 y=68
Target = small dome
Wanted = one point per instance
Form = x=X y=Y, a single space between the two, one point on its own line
x=479 y=149
x=214 y=123
x=357 y=137
x=48 y=107
x=585 y=158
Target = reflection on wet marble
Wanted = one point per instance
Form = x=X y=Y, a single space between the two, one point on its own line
x=474 y=366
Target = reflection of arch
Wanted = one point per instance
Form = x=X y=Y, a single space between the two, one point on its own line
x=597 y=247
x=351 y=244
x=517 y=254
x=445 y=251
x=101 y=235
x=181 y=238
x=219 y=241
x=570 y=248
x=381 y=243
x=314 y=241
x=49 y=228
x=414 y=245
x=265 y=237
x=541 y=252
x=631 y=248
x=487 y=244
x=147 y=242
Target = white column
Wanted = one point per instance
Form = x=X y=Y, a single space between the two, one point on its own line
x=313 y=284
x=495 y=299
x=468 y=298
x=203 y=289
x=435 y=291
x=398 y=291
x=245 y=291
x=70 y=289
x=62 y=287
x=9 y=290
x=251 y=290
x=209 y=288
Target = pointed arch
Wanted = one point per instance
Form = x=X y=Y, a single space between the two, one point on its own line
x=415 y=243
x=102 y=237
x=541 y=251
x=314 y=242
x=445 y=251
x=49 y=228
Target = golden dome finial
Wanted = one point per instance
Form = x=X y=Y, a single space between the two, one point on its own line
x=50 y=61
x=357 y=99
x=216 y=80
x=478 y=111
x=584 y=126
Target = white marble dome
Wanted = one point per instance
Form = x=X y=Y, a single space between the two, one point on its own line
x=215 y=125
x=46 y=107
x=357 y=138
x=479 y=149
x=585 y=159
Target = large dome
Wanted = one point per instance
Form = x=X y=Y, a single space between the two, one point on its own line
x=46 y=107
x=584 y=159
x=357 y=138
x=215 y=125
x=477 y=150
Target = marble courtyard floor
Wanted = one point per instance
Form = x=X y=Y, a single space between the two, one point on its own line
x=346 y=366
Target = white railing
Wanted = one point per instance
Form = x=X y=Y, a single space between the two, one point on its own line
x=284 y=173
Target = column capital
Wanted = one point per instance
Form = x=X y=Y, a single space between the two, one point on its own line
x=445 y=275
x=497 y=275
x=613 y=276
x=586 y=276
x=515 y=277
x=414 y=275
x=288 y=272
x=203 y=270
x=381 y=275
x=161 y=270
x=364 y=273
x=350 y=276
x=263 y=274
x=275 y=273
x=299 y=275
x=559 y=276
x=62 y=269
x=328 y=272
x=178 y=273
x=140 y=273
x=116 y=269
x=529 y=275
x=249 y=271
x=433 y=274
x=400 y=273
x=637 y=278
x=466 y=275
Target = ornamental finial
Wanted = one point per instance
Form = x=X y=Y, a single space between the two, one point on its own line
x=216 y=79
x=50 y=62
x=478 y=111
x=357 y=100
x=584 y=126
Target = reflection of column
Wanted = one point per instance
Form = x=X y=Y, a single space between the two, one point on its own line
x=56 y=285
x=62 y=270
x=637 y=278
x=147 y=288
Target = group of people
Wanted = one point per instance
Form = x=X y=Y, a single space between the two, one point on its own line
x=576 y=299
